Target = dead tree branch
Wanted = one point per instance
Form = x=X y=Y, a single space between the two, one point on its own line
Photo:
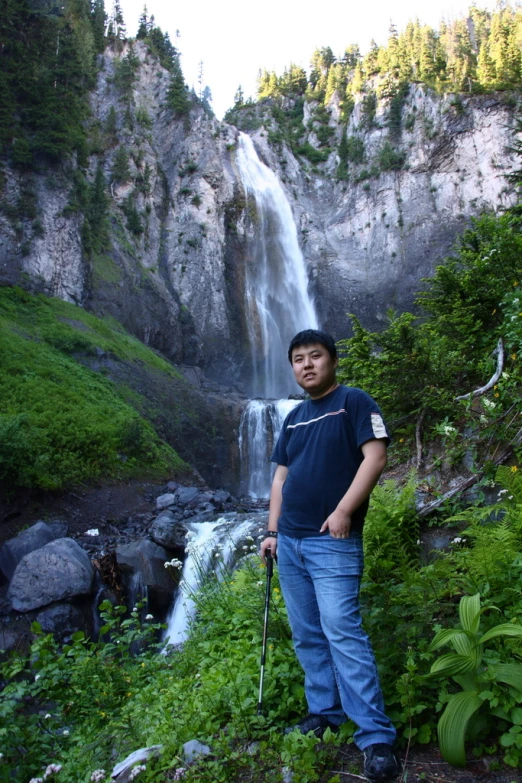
x=469 y=482
x=418 y=441
x=494 y=378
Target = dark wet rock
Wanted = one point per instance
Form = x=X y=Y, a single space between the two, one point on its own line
x=59 y=570
x=167 y=531
x=222 y=496
x=35 y=537
x=204 y=516
x=148 y=560
x=62 y=620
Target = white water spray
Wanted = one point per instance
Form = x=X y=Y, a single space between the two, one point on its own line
x=259 y=429
x=278 y=302
x=212 y=545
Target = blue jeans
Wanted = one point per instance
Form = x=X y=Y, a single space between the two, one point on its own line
x=320 y=580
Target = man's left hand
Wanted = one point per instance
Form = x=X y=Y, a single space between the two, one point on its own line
x=338 y=524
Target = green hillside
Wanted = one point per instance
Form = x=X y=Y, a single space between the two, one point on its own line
x=62 y=423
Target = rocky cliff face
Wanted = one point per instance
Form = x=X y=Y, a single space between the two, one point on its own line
x=179 y=282
x=368 y=242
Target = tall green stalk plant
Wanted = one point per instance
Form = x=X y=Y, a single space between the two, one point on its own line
x=477 y=670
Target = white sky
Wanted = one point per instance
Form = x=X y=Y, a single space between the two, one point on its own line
x=234 y=38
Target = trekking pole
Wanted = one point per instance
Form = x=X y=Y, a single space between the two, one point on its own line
x=269 y=572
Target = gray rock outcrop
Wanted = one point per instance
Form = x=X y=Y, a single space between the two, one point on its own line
x=59 y=570
x=35 y=537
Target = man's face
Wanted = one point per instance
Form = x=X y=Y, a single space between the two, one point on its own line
x=314 y=369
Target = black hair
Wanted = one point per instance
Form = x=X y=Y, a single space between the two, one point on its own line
x=309 y=336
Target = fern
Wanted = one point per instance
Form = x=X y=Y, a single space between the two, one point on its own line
x=391 y=531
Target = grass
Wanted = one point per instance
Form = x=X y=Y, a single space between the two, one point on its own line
x=61 y=423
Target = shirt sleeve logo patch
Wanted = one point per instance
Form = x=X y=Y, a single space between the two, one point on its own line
x=379 y=430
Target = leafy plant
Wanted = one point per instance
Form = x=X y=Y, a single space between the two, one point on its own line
x=478 y=671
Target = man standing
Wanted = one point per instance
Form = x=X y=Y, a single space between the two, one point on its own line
x=329 y=455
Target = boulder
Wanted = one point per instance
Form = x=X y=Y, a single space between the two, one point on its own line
x=184 y=495
x=62 y=620
x=166 y=500
x=168 y=532
x=148 y=560
x=35 y=537
x=193 y=749
x=58 y=570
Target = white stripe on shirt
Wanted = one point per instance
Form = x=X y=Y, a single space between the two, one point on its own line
x=311 y=421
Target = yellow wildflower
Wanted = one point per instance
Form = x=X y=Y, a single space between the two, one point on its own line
x=514 y=469
x=496 y=394
x=513 y=356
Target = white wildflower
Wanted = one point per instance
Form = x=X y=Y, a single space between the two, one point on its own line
x=457 y=540
x=253 y=548
x=510 y=497
x=1 y=756
x=52 y=769
x=36 y=780
x=92 y=532
x=149 y=617
x=448 y=430
x=502 y=492
x=505 y=375
x=47 y=716
x=179 y=773
x=65 y=732
x=98 y=775
x=260 y=583
x=516 y=301
x=135 y=771
x=217 y=554
x=489 y=403
x=37 y=677
x=418 y=542
x=174 y=563
x=249 y=538
x=245 y=548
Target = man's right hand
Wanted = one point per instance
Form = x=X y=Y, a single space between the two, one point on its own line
x=269 y=543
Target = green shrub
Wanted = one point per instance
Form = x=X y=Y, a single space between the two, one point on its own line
x=390 y=159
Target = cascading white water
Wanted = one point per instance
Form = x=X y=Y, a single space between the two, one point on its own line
x=278 y=302
x=259 y=429
x=278 y=306
x=212 y=545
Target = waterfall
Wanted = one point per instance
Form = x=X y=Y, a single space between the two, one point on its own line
x=259 y=429
x=212 y=545
x=278 y=306
x=277 y=300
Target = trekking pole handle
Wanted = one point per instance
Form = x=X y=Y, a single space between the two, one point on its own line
x=269 y=563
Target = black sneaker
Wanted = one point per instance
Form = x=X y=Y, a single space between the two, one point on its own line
x=380 y=763
x=316 y=723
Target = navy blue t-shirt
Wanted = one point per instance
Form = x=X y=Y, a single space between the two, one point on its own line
x=320 y=444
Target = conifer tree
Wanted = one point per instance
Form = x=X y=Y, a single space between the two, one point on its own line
x=486 y=74
x=99 y=18
x=143 y=25
x=177 y=95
